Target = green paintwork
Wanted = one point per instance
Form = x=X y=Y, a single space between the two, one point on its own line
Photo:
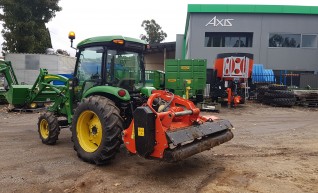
x=3 y=97
x=178 y=72
x=243 y=9
x=7 y=70
x=18 y=94
x=147 y=90
x=100 y=39
x=42 y=90
x=159 y=80
x=108 y=90
x=273 y=9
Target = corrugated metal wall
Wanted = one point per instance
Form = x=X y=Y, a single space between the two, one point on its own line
x=27 y=66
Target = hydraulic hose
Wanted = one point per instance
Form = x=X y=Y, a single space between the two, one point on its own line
x=168 y=104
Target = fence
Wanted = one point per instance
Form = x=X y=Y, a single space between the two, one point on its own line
x=291 y=79
x=308 y=80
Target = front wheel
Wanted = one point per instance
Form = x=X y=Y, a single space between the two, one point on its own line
x=96 y=129
x=48 y=128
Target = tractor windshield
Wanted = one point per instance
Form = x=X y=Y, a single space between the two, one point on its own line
x=123 y=69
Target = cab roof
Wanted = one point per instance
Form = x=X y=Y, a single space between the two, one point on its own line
x=102 y=39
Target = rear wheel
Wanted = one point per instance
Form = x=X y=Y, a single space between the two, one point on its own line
x=96 y=130
x=48 y=128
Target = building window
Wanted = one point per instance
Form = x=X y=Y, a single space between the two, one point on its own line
x=292 y=40
x=309 y=41
x=284 y=40
x=228 y=39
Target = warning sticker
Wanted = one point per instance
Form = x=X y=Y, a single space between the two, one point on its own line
x=141 y=131
x=172 y=80
x=185 y=67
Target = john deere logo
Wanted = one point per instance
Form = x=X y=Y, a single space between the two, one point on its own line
x=185 y=67
x=172 y=80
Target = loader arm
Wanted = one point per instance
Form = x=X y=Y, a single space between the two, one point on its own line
x=7 y=70
x=60 y=93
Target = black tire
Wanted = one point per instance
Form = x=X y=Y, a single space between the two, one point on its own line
x=284 y=102
x=267 y=101
x=102 y=141
x=280 y=94
x=260 y=97
x=261 y=93
x=277 y=87
x=262 y=89
x=48 y=128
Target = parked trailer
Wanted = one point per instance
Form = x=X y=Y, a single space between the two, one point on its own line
x=185 y=78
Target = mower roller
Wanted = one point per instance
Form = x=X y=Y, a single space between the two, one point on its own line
x=107 y=104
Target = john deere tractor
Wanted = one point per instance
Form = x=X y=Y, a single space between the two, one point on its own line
x=107 y=104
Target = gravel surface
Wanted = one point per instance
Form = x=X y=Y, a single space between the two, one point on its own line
x=273 y=150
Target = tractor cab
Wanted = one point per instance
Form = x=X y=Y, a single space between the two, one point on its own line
x=113 y=61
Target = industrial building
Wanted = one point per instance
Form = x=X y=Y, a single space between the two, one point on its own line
x=280 y=37
x=27 y=66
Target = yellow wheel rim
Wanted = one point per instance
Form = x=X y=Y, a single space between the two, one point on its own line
x=44 y=129
x=89 y=131
x=33 y=105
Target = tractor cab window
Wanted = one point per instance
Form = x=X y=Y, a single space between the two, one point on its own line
x=88 y=71
x=123 y=69
x=89 y=64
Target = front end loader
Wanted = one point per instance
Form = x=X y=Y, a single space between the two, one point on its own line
x=108 y=104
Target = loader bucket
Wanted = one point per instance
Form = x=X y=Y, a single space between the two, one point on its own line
x=170 y=128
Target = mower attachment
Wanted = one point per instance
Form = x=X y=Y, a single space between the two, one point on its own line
x=170 y=128
x=219 y=132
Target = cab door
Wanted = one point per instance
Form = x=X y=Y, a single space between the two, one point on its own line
x=88 y=70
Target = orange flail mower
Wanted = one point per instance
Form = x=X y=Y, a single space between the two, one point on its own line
x=171 y=128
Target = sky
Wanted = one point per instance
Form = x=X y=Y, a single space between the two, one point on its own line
x=124 y=17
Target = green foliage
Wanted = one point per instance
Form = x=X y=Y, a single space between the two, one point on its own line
x=62 y=52
x=154 y=32
x=24 y=29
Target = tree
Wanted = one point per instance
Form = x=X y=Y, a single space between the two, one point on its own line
x=24 y=29
x=62 y=52
x=276 y=40
x=154 y=32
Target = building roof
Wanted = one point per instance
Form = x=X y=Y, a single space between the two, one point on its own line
x=257 y=9
x=280 y=9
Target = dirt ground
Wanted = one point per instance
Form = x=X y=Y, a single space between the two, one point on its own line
x=273 y=150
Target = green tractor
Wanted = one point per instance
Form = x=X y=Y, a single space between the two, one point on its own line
x=107 y=104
